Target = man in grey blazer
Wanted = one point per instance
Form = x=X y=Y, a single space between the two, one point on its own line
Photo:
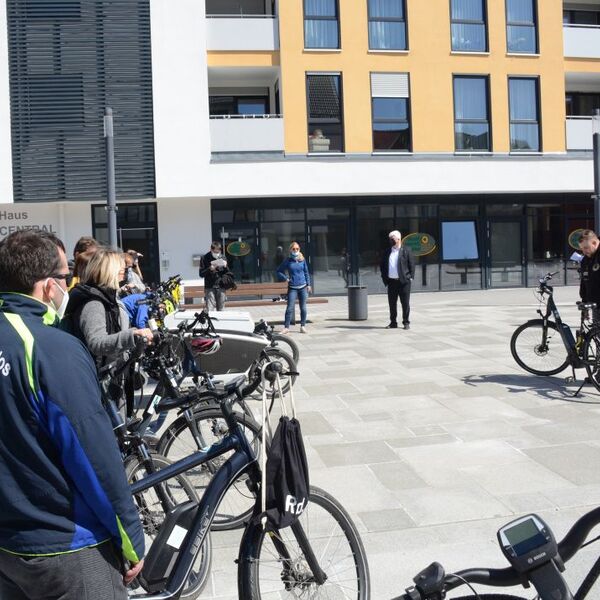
x=398 y=271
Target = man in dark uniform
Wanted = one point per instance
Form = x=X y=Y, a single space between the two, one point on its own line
x=589 y=289
x=398 y=271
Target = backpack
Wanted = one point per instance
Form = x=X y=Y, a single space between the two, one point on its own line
x=285 y=485
x=226 y=281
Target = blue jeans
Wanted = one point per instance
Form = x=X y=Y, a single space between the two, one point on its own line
x=302 y=295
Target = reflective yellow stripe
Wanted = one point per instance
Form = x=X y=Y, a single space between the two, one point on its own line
x=54 y=553
x=126 y=546
x=17 y=322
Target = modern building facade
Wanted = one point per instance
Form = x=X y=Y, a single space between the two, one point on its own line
x=465 y=124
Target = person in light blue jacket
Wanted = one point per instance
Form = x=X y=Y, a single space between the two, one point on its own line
x=294 y=270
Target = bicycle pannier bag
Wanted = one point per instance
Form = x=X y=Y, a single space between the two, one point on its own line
x=287 y=482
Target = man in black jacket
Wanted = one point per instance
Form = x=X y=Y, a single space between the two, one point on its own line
x=589 y=289
x=214 y=294
x=397 y=271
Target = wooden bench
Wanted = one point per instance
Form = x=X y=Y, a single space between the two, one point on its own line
x=246 y=294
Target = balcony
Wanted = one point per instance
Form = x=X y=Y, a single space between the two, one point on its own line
x=579 y=133
x=250 y=33
x=246 y=133
x=581 y=41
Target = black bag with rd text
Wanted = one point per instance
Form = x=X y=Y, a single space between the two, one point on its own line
x=287 y=483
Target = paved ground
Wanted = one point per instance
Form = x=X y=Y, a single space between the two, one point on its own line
x=434 y=437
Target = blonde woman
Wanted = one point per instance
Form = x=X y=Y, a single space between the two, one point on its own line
x=95 y=315
x=294 y=270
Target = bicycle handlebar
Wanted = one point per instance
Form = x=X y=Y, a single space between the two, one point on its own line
x=118 y=367
x=567 y=548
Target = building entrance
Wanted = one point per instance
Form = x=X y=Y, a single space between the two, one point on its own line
x=328 y=256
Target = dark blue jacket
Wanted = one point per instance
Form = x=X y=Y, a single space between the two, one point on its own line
x=62 y=482
x=294 y=271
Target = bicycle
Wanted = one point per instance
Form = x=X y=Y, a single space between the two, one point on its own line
x=545 y=347
x=535 y=559
x=320 y=556
x=276 y=339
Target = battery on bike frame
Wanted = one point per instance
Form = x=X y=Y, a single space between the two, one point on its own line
x=166 y=546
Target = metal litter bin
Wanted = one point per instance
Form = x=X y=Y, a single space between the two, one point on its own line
x=358 y=303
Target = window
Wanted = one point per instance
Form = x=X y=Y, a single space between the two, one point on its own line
x=390 y=112
x=468 y=25
x=521 y=28
x=581 y=17
x=582 y=104
x=459 y=240
x=324 y=96
x=239 y=105
x=524 y=114
x=471 y=114
x=387 y=25
x=321 y=24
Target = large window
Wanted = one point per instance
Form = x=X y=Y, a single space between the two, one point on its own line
x=524 y=114
x=521 y=28
x=239 y=105
x=387 y=25
x=325 y=128
x=471 y=114
x=321 y=24
x=581 y=17
x=468 y=25
x=581 y=104
x=390 y=112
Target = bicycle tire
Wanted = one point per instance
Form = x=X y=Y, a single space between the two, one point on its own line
x=287 y=344
x=591 y=357
x=532 y=344
x=178 y=441
x=269 y=354
x=152 y=518
x=293 y=576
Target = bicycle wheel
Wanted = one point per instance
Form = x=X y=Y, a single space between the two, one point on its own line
x=268 y=355
x=152 y=514
x=591 y=357
x=263 y=573
x=179 y=441
x=287 y=344
x=489 y=597
x=539 y=349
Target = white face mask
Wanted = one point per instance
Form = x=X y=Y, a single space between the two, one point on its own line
x=60 y=310
x=216 y=255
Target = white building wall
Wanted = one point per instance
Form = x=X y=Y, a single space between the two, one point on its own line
x=6 y=182
x=581 y=42
x=180 y=95
x=245 y=34
x=184 y=229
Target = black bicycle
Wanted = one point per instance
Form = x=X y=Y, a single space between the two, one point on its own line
x=535 y=557
x=547 y=346
x=320 y=556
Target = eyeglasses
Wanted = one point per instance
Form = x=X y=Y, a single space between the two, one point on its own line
x=68 y=277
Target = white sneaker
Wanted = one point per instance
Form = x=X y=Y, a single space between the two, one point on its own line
x=302 y=329
x=285 y=330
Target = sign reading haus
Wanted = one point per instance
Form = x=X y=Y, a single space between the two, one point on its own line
x=42 y=218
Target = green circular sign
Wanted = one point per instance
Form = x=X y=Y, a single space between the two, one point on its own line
x=421 y=244
x=239 y=249
x=574 y=238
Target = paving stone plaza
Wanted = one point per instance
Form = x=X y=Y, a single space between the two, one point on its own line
x=432 y=438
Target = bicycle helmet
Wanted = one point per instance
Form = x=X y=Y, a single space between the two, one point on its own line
x=205 y=344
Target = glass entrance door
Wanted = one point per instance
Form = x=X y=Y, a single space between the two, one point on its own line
x=241 y=251
x=329 y=256
x=505 y=253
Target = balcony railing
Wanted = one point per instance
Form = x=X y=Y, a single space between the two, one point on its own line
x=579 y=133
x=582 y=41
x=246 y=133
x=242 y=32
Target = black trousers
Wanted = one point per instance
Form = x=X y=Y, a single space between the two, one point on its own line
x=399 y=289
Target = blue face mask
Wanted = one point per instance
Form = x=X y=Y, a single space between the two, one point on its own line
x=294 y=254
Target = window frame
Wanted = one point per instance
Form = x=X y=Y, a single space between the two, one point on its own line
x=336 y=18
x=538 y=108
x=488 y=107
x=535 y=25
x=337 y=74
x=471 y=22
x=408 y=120
x=403 y=20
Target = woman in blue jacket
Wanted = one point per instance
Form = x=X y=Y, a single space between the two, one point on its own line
x=294 y=270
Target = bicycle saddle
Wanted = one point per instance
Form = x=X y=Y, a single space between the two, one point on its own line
x=586 y=305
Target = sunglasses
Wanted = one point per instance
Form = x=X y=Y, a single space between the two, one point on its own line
x=68 y=277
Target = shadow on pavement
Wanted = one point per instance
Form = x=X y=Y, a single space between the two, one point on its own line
x=552 y=388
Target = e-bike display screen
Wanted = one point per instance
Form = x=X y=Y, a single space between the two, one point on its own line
x=527 y=543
